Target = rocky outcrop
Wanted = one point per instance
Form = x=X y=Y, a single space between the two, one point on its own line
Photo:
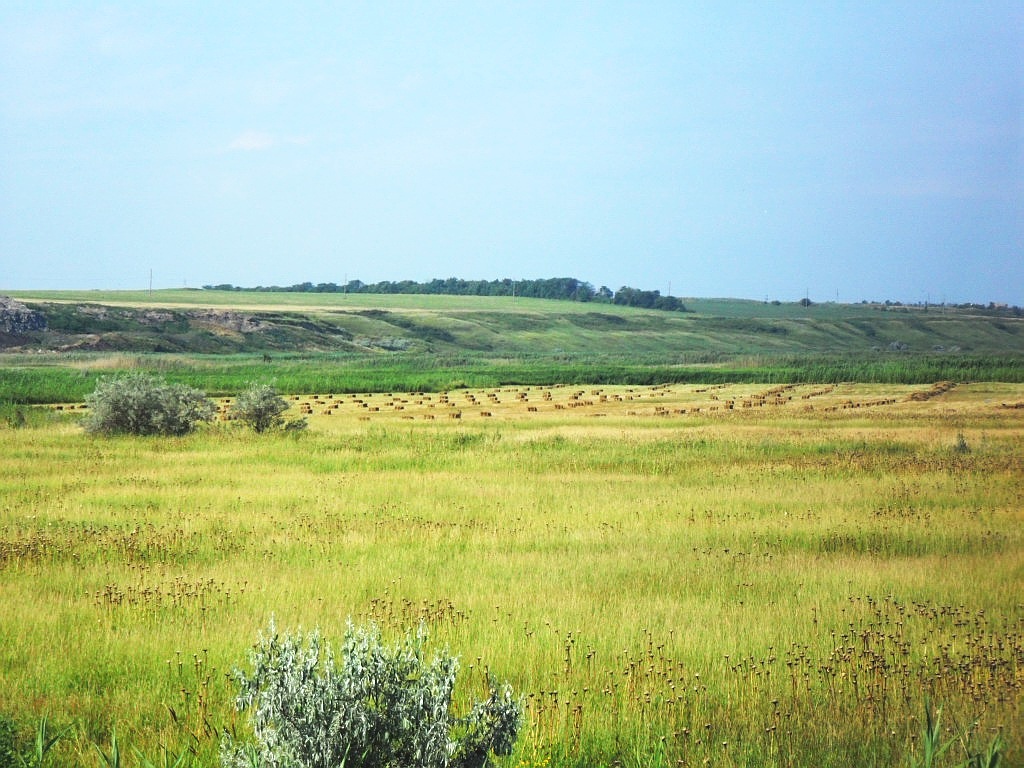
x=72 y=327
x=231 y=321
x=17 y=319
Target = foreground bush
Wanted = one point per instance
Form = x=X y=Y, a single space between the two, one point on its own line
x=379 y=707
x=140 y=404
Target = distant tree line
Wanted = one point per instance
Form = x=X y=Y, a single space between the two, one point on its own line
x=563 y=288
x=992 y=308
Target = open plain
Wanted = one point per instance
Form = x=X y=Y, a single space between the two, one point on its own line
x=732 y=574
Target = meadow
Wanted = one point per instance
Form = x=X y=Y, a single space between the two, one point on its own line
x=669 y=575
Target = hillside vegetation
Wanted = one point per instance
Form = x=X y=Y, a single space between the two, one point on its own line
x=365 y=342
x=231 y=321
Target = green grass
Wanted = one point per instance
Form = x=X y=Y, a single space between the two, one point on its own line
x=769 y=586
x=410 y=326
x=69 y=378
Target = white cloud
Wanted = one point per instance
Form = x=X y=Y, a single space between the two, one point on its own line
x=257 y=141
x=252 y=141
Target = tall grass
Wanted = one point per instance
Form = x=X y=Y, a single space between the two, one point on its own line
x=770 y=586
x=71 y=378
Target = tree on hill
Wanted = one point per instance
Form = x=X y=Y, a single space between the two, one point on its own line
x=563 y=288
x=632 y=297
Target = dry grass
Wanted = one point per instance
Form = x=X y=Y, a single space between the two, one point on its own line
x=777 y=584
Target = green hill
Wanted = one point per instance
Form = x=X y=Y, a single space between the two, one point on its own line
x=201 y=322
x=435 y=341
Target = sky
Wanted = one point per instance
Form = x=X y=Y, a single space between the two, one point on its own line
x=839 y=151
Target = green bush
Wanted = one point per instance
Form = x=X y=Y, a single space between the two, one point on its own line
x=140 y=404
x=260 y=407
x=14 y=417
x=379 y=707
x=8 y=742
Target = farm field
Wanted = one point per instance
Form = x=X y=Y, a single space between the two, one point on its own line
x=729 y=574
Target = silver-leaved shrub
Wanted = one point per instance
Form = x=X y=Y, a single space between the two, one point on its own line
x=260 y=407
x=140 y=404
x=375 y=706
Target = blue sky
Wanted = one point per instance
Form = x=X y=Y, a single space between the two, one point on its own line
x=850 y=150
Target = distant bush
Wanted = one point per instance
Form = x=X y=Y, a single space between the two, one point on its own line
x=14 y=417
x=140 y=404
x=631 y=297
x=260 y=407
x=379 y=707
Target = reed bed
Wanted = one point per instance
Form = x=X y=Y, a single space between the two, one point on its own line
x=68 y=377
x=667 y=581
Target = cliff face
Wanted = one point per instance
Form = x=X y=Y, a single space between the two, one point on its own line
x=17 y=319
x=86 y=327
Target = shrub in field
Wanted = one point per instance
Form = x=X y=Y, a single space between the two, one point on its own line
x=260 y=407
x=296 y=425
x=8 y=742
x=13 y=415
x=961 y=444
x=379 y=707
x=140 y=404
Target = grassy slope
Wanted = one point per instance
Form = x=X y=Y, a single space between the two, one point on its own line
x=339 y=343
x=528 y=327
